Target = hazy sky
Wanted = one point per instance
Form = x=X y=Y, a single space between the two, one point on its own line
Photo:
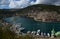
x=7 y=4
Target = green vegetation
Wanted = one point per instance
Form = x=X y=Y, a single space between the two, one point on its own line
x=26 y=37
x=57 y=34
x=53 y=31
x=7 y=34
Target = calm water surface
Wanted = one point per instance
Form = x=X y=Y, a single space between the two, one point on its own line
x=32 y=25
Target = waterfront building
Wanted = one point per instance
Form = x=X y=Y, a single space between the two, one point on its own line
x=33 y=33
x=28 y=32
x=48 y=35
x=38 y=32
x=42 y=34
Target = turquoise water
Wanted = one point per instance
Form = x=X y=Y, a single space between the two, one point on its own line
x=32 y=25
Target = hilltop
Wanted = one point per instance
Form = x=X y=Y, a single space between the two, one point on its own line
x=40 y=7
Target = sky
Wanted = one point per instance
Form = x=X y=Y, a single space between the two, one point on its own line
x=9 y=4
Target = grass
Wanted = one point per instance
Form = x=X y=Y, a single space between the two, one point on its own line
x=7 y=34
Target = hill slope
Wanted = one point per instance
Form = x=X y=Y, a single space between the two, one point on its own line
x=37 y=12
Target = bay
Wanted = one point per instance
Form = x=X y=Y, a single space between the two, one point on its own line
x=32 y=25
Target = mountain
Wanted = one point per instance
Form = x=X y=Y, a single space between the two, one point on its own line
x=39 y=12
x=40 y=7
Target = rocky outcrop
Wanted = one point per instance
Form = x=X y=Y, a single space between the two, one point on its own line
x=45 y=16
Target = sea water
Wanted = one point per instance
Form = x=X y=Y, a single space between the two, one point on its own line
x=32 y=25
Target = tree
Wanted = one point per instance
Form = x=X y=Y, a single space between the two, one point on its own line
x=57 y=34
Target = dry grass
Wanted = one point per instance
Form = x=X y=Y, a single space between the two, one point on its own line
x=47 y=38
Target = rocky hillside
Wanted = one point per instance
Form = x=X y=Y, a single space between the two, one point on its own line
x=40 y=12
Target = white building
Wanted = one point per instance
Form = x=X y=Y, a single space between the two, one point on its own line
x=38 y=32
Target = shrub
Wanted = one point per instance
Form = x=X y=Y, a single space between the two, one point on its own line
x=57 y=34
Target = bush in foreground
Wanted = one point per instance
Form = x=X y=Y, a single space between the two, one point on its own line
x=57 y=34
x=7 y=34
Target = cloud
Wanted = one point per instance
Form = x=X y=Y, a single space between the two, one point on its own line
x=25 y=3
x=36 y=2
x=43 y=2
x=4 y=2
x=57 y=3
x=19 y=4
x=50 y=2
